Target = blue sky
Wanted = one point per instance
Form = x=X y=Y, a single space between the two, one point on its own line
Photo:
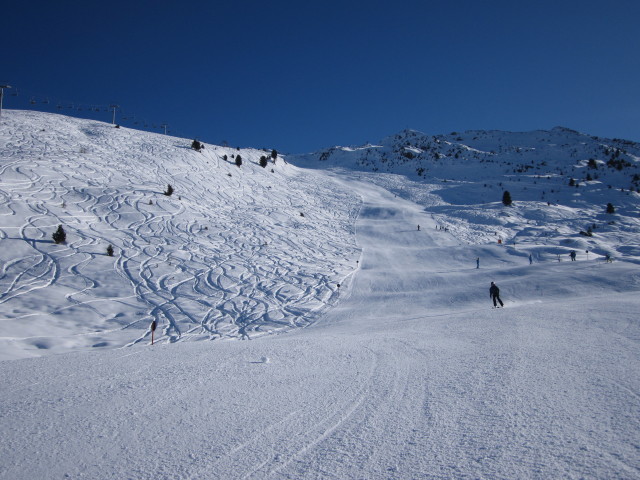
x=301 y=76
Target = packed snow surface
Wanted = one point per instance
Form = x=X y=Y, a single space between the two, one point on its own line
x=370 y=346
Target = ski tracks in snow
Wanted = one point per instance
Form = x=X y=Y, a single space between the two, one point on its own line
x=234 y=253
x=337 y=431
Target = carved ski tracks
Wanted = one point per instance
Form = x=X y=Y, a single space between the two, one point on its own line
x=227 y=256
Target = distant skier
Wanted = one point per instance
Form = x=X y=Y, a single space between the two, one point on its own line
x=478 y=262
x=572 y=254
x=530 y=260
x=418 y=227
x=494 y=293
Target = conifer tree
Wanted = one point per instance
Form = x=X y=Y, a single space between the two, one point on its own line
x=59 y=236
x=506 y=198
x=196 y=145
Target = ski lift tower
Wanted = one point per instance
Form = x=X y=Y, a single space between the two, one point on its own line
x=114 y=107
x=2 y=87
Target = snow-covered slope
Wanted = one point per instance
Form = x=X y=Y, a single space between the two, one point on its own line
x=404 y=372
x=461 y=178
x=233 y=252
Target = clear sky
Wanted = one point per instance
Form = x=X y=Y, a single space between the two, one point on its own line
x=304 y=75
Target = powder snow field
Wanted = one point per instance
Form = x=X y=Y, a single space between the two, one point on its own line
x=403 y=372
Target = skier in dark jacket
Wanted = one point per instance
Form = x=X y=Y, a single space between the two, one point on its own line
x=494 y=293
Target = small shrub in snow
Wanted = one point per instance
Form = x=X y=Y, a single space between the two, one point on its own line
x=588 y=233
x=59 y=236
x=610 y=208
x=196 y=145
x=263 y=161
x=110 y=250
x=169 y=191
x=238 y=160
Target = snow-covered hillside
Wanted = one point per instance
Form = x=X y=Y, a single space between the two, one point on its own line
x=234 y=252
x=461 y=178
x=403 y=371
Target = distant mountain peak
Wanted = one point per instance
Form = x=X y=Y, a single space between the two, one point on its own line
x=566 y=130
x=418 y=155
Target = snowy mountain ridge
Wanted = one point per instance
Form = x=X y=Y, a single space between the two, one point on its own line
x=461 y=178
x=420 y=155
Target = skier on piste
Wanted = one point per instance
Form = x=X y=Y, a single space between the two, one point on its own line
x=494 y=293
